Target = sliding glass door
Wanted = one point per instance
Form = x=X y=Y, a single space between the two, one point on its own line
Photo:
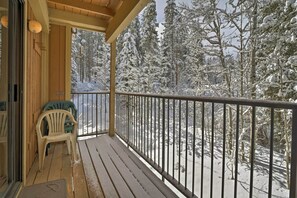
x=11 y=64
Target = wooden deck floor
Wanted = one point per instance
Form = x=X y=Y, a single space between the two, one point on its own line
x=107 y=169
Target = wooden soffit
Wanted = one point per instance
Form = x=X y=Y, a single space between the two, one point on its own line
x=109 y=16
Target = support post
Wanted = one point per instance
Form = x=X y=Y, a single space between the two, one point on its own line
x=112 y=89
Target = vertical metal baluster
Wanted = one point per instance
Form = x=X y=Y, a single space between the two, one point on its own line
x=128 y=120
x=271 y=153
x=78 y=113
x=186 y=164
x=87 y=114
x=252 y=150
x=173 y=160
x=101 y=113
x=148 y=126
x=168 y=130
x=105 y=113
x=224 y=155
x=193 y=146
x=293 y=178
x=179 y=139
x=140 y=139
x=96 y=113
x=155 y=128
x=134 y=120
x=142 y=125
x=212 y=148
x=236 y=151
x=83 y=114
x=151 y=132
x=145 y=132
x=92 y=109
x=163 y=138
x=202 y=150
x=139 y=121
x=159 y=130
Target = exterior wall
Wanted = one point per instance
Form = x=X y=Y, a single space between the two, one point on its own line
x=57 y=54
x=33 y=91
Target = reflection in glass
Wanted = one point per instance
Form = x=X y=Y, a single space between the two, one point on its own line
x=3 y=94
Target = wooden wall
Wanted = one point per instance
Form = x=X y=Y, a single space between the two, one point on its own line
x=33 y=92
x=57 y=53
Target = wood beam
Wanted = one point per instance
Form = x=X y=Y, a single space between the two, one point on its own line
x=96 y=9
x=77 y=20
x=112 y=88
x=40 y=12
x=123 y=17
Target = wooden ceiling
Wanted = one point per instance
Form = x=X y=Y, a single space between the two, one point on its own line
x=109 y=16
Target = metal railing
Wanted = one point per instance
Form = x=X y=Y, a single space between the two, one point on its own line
x=214 y=147
x=92 y=112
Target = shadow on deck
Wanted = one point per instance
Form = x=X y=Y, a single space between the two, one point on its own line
x=107 y=169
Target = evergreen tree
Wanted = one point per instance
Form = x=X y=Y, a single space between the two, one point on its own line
x=128 y=65
x=150 y=49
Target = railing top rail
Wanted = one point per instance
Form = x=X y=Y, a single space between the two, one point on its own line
x=92 y=92
x=231 y=101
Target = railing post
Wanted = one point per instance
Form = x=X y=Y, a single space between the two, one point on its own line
x=112 y=89
x=293 y=182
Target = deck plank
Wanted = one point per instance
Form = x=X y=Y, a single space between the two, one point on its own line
x=115 y=175
x=165 y=190
x=93 y=185
x=105 y=181
x=33 y=173
x=127 y=174
x=79 y=182
x=151 y=188
x=55 y=170
x=66 y=172
x=42 y=176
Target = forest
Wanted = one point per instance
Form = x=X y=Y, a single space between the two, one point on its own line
x=221 y=48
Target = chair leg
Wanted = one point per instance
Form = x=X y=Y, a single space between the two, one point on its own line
x=41 y=154
x=68 y=146
x=73 y=144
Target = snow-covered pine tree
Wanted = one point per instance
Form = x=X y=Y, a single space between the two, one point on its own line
x=168 y=44
x=128 y=66
x=150 y=69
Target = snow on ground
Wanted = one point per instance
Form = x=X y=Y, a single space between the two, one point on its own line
x=261 y=167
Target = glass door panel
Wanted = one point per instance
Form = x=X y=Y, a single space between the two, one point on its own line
x=3 y=94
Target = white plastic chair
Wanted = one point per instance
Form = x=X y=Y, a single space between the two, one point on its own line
x=56 y=132
x=3 y=141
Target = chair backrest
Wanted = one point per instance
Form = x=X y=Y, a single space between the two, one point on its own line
x=55 y=120
x=62 y=104
x=3 y=124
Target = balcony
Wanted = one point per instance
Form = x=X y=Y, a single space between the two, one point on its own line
x=194 y=143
